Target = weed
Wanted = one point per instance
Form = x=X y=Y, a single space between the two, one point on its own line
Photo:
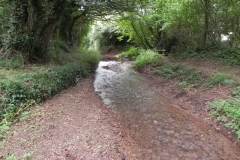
x=186 y=75
x=194 y=76
x=227 y=56
x=167 y=71
x=25 y=115
x=227 y=111
x=147 y=57
x=27 y=156
x=236 y=91
x=14 y=63
x=223 y=118
x=132 y=53
x=90 y=59
x=183 y=84
x=5 y=131
x=11 y=157
x=218 y=78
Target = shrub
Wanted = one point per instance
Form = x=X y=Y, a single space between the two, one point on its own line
x=147 y=57
x=132 y=53
x=90 y=59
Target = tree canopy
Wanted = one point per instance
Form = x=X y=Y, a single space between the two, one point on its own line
x=29 y=26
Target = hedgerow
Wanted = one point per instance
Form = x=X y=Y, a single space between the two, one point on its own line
x=34 y=88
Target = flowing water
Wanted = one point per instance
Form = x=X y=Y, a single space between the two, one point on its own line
x=161 y=131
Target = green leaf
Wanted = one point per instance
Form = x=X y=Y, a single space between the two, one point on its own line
x=238 y=134
x=4 y=127
x=12 y=157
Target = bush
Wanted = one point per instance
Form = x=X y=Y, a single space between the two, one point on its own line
x=132 y=53
x=91 y=59
x=147 y=57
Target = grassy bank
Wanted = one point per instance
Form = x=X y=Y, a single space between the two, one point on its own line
x=23 y=86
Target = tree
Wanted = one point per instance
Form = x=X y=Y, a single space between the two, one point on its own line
x=35 y=22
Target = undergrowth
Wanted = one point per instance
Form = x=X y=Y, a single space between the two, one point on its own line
x=220 y=78
x=15 y=62
x=186 y=76
x=20 y=90
x=228 y=112
x=132 y=53
x=228 y=56
x=147 y=57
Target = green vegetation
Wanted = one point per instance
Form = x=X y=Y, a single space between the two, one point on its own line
x=20 y=90
x=132 y=53
x=11 y=157
x=147 y=57
x=12 y=63
x=220 y=78
x=185 y=75
x=227 y=111
x=26 y=156
x=227 y=56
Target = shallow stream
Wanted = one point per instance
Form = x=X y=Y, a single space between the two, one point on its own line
x=161 y=131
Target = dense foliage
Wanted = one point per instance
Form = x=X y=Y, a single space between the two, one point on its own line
x=185 y=25
x=29 y=26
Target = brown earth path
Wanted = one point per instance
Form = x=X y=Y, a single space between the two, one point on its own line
x=195 y=100
x=73 y=125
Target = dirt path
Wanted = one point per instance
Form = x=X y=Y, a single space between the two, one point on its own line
x=73 y=125
x=192 y=100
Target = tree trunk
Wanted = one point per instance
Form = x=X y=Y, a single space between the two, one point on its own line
x=206 y=21
x=46 y=32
